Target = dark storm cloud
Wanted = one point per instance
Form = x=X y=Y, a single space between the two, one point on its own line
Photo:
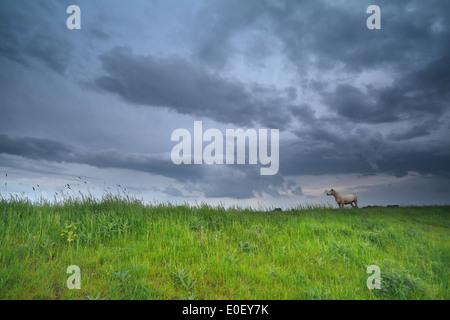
x=331 y=145
x=239 y=182
x=189 y=88
x=28 y=33
x=421 y=93
x=218 y=23
x=415 y=190
x=154 y=164
x=13 y=31
x=55 y=53
x=413 y=43
x=213 y=181
x=173 y=191
x=50 y=150
x=34 y=148
x=419 y=130
x=332 y=34
x=305 y=158
x=326 y=151
x=326 y=33
x=433 y=159
x=298 y=191
x=337 y=34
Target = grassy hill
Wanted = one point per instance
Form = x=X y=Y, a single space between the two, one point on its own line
x=127 y=250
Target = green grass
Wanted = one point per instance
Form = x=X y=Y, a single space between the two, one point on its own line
x=127 y=250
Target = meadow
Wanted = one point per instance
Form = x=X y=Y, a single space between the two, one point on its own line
x=128 y=250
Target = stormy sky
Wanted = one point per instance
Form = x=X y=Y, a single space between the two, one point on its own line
x=361 y=111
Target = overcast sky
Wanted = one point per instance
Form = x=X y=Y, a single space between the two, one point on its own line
x=359 y=110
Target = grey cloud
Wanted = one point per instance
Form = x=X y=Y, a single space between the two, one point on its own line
x=154 y=164
x=50 y=150
x=240 y=182
x=415 y=190
x=34 y=148
x=55 y=53
x=423 y=92
x=298 y=191
x=337 y=34
x=332 y=33
x=12 y=30
x=27 y=33
x=363 y=155
x=190 y=89
x=216 y=25
x=303 y=158
x=173 y=191
x=430 y=160
x=213 y=181
x=328 y=145
x=416 y=131
x=351 y=103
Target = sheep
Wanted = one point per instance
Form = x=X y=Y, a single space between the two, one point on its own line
x=343 y=199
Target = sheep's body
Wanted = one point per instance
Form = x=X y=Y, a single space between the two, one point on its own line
x=343 y=199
